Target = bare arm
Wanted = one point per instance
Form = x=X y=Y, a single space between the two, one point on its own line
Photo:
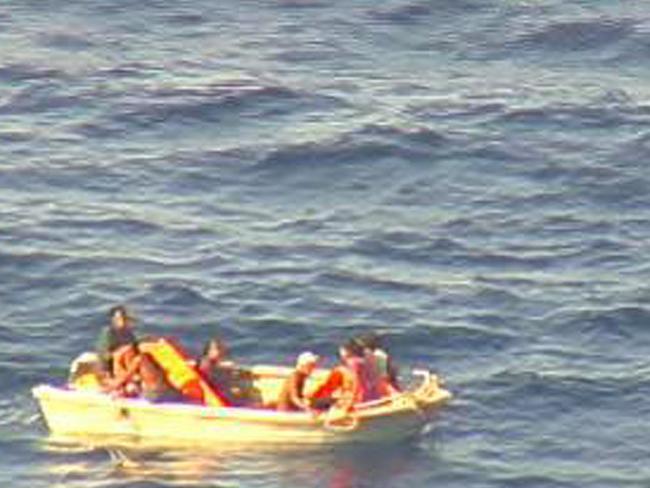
x=127 y=375
x=296 y=394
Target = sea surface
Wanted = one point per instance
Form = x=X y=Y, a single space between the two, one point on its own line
x=470 y=178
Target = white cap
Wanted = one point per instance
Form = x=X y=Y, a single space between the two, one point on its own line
x=307 y=357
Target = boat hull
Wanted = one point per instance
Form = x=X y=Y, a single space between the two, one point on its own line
x=68 y=412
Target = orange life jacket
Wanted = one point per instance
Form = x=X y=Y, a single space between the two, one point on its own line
x=341 y=382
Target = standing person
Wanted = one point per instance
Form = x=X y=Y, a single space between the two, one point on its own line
x=292 y=396
x=118 y=333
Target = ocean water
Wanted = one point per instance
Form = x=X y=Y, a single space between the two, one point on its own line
x=468 y=177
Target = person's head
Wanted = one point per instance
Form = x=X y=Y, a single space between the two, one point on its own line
x=350 y=349
x=307 y=362
x=369 y=340
x=120 y=317
x=215 y=350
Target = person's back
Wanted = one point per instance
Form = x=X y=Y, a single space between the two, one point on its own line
x=154 y=384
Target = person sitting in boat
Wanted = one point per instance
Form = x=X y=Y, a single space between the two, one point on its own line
x=347 y=383
x=381 y=371
x=115 y=335
x=126 y=383
x=143 y=376
x=213 y=363
x=292 y=395
x=215 y=366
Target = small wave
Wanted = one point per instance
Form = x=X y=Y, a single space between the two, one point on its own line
x=99 y=264
x=29 y=261
x=67 y=40
x=415 y=136
x=212 y=104
x=638 y=146
x=415 y=248
x=606 y=252
x=501 y=151
x=40 y=98
x=269 y=271
x=371 y=143
x=301 y=224
x=423 y=249
x=339 y=279
x=26 y=72
x=583 y=35
x=97 y=129
x=415 y=12
x=423 y=342
x=526 y=480
x=411 y=246
x=185 y=19
x=547 y=393
x=404 y=14
x=604 y=328
x=16 y=135
x=125 y=70
x=169 y=294
x=497 y=296
x=625 y=193
x=301 y=4
x=594 y=116
x=125 y=226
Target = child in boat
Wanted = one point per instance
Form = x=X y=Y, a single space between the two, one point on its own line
x=292 y=395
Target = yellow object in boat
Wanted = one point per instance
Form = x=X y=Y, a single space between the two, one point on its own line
x=180 y=374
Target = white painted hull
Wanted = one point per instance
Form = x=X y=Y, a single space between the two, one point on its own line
x=69 y=412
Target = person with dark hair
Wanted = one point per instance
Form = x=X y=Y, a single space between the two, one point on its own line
x=115 y=335
x=381 y=371
x=346 y=382
x=213 y=364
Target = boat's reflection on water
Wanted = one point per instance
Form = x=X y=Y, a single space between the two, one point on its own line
x=87 y=463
